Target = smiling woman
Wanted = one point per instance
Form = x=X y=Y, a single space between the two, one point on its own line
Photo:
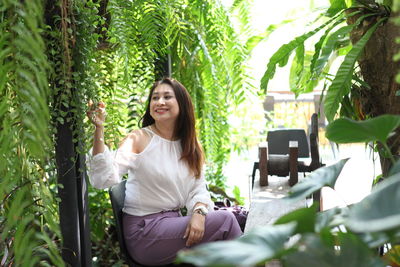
x=164 y=163
x=164 y=109
x=183 y=122
x=163 y=104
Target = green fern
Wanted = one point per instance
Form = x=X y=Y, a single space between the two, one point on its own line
x=28 y=232
x=207 y=57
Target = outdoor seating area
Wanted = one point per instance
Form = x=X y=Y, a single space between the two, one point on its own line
x=280 y=154
x=266 y=201
x=200 y=133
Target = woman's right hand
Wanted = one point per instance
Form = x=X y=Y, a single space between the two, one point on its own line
x=97 y=114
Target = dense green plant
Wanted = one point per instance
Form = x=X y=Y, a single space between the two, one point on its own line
x=206 y=56
x=360 y=33
x=29 y=231
x=396 y=20
x=310 y=67
x=109 y=51
x=209 y=40
x=136 y=36
x=57 y=57
x=348 y=236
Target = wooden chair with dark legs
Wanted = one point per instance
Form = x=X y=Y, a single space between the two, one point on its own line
x=280 y=154
x=117 y=196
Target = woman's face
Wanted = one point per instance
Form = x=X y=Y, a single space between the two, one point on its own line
x=163 y=104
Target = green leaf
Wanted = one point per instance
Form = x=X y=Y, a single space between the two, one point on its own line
x=330 y=218
x=342 y=51
x=318 y=45
x=297 y=68
x=333 y=40
x=304 y=218
x=238 y=197
x=256 y=39
x=346 y=109
x=341 y=84
x=318 y=252
x=374 y=239
x=336 y=6
x=361 y=82
x=345 y=130
x=379 y=211
x=255 y=247
x=325 y=176
x=280 y=57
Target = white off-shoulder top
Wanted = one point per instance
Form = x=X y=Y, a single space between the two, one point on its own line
x=157 y=179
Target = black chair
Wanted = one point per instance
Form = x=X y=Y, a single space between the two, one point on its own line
x=285 y=148
x=278 y=140
x=117 y=196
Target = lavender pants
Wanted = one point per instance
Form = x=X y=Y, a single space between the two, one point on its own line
x=155 y=239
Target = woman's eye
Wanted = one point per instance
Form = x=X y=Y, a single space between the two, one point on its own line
x=168 y=97
x=154 y=98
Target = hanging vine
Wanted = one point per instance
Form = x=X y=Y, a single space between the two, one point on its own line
x=207 y=57
x=55 y=58
x=28 y=220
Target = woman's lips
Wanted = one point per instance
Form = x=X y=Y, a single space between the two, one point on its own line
x=161 y=111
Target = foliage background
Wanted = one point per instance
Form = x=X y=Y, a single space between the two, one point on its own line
x=362 y=88
x=56 y=57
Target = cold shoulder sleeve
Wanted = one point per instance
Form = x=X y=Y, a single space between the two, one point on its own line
x=107 y=168
x=199 y=193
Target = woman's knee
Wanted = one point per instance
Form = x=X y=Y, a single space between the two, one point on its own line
x=221 y=217
x=227 y=215
x=224 y=222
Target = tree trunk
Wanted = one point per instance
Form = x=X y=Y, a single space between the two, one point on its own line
x=379 y=70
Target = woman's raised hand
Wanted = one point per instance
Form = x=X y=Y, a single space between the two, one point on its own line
x=97 y=113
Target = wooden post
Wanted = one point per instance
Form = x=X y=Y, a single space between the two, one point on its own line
x=293 y=156
x=69 y=213
x=263 y=163
x=315 y=159
x=74 y=212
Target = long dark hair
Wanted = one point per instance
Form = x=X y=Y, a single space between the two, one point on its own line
x=184 y=129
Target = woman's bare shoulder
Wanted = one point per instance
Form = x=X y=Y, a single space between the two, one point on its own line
x=136 y=141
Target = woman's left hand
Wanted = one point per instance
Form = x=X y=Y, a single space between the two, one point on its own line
x=195 y=229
